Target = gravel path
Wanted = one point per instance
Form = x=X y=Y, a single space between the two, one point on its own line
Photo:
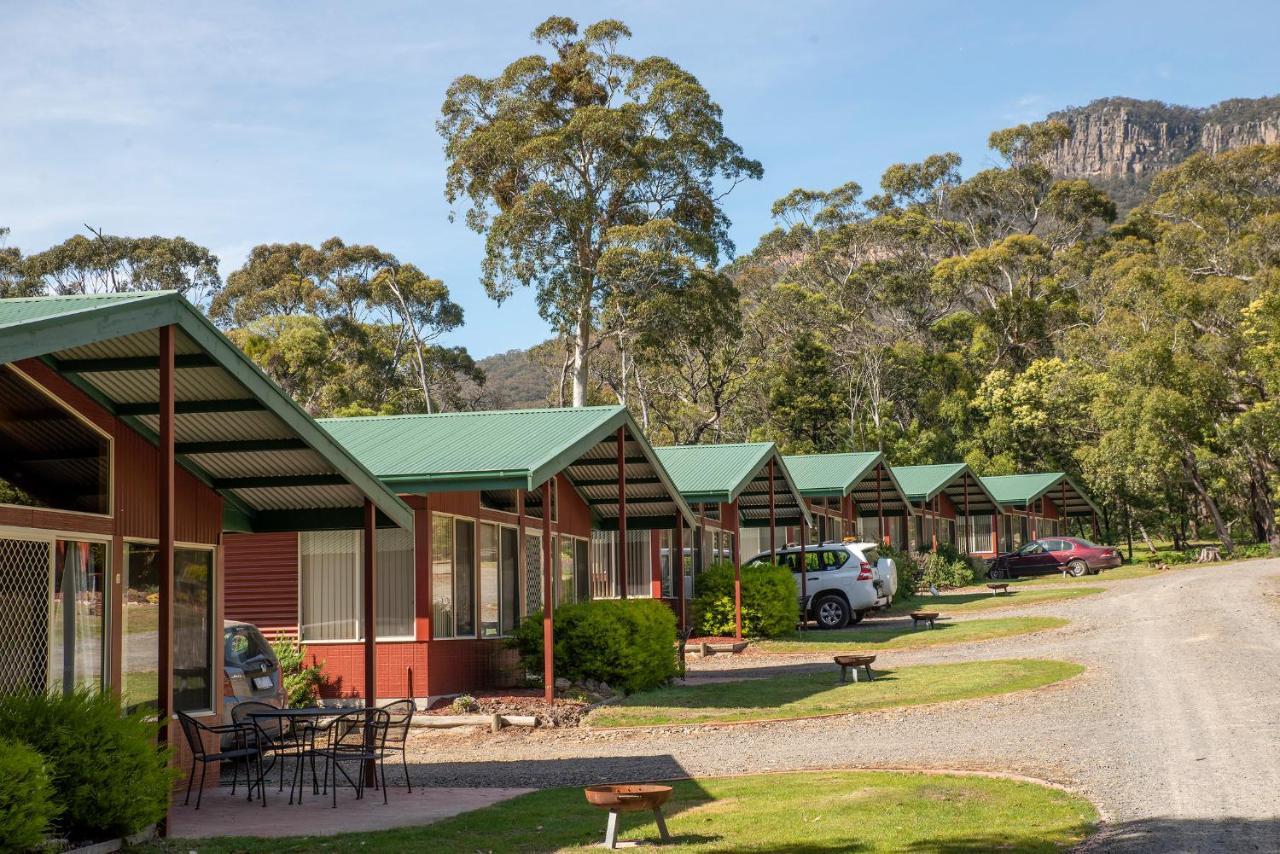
x=1173 y=731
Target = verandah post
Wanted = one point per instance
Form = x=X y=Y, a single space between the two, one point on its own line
x=622 y=512
x=548 y=601
x=737 y=574
x=677 y=568
x=884 y=538
x=773 y=519
x=165 y=534
x=370 y=548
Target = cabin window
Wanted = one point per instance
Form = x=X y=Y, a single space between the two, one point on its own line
x=499 y=580
x=453 y=577
x=331 y=585
x=52 y=614
x=193 y=628
x=52 y=459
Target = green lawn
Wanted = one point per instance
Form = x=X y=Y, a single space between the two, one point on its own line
x=982 y=599
x=873 y=638
x=804 y=695
x=852 y=811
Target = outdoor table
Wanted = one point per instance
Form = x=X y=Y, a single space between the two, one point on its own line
x=301 y=732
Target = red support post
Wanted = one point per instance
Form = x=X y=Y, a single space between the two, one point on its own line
x=737 y=575
x=548 y=601
x=884 y=537
x=968 y=520
x=622 y=511
x=803 y=567
x=164 y=548
x=773 y=519
x=370 y=593
x=677 y=568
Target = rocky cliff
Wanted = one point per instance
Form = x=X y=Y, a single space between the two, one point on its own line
x=1120 y=143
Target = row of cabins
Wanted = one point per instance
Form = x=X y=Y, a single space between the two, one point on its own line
x=154 y=483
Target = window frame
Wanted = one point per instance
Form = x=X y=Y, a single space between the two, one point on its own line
x=215 y=624
x=358 y=557
x=57 y=401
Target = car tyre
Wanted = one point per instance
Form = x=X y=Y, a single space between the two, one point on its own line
x=1078 y=568
x=997 y=572
x=856 y=617
x=831 y=612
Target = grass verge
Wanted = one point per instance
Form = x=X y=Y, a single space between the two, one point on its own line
x=873 y=638
x=803 y=695
x=981 y=599
x=858 y=811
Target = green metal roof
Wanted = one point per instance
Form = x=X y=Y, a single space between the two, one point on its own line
x=721 y=474
x=105 y=344
x=1019 y=490
x=921 y=483
x=714 y=473
x=510 y=449
x=830 y=475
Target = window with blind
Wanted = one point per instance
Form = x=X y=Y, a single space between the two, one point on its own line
x=330 y=589
x=605 y=575
x=499 y=579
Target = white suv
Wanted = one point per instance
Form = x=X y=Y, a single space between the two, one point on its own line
x=844 y=581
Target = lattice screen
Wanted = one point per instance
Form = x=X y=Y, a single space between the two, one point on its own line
x=24 y=614
x=533 y=573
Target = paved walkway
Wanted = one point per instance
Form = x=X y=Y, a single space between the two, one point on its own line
x=222 y=814
x=1174 y=731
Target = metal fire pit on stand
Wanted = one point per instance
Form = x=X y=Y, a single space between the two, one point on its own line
x=631 y=797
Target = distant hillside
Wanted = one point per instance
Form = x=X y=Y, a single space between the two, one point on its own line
x=1119 y=144
x=513 y=380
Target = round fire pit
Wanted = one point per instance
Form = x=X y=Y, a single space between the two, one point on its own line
x=629 y=797
x=926 y=617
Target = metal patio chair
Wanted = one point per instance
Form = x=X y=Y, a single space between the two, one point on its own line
x=401 y=712
x=239 y=753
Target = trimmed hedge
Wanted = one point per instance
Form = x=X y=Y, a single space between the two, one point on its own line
x=627 y=643
x=770 y=601
x=108 y=778
x=27 y=808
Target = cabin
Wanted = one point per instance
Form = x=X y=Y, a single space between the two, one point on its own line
x=952 y=506
x=135 y=437
x=509 y=508
x=852 y=495
x=744 y=499
x=1044 y=504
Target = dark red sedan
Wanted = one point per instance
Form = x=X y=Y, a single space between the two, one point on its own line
x=1054 y=554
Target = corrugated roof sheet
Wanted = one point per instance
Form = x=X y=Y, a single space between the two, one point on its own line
x=112 y=326
x=515 y=442
x=713 y=472
x=829 y=474
x=922 y=482
x=1020 y=488
x=19 y=310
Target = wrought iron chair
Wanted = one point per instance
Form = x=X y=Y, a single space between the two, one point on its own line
x=401 y=712
x=239 y=753
x=359 y=737
x=273 y=736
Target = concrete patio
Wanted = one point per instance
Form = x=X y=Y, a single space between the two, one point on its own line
x=222 y=814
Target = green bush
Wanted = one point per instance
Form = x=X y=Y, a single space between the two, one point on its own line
x=628 y=644
x=301 y=683
x=108 y=777
x=27 y=808
x=770 y=601
x=945 y=572
x=908 y=571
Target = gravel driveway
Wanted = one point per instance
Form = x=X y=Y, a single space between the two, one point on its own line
x=1173 y=731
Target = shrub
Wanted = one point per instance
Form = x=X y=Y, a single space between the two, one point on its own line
x=770 y=601
x=108 y=778
x=464 y=705
x=908 y=571
x=939 y=570
x=301 y=683
x=627 y=643
x=26 y=797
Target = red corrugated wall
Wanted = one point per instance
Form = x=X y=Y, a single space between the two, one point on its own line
x=262 y=581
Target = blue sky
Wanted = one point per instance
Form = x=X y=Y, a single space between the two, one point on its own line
x=235 y=124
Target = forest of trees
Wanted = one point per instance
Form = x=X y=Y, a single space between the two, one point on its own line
x=1002 y=317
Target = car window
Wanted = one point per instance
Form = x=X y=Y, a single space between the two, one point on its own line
x=1058 y=545
x=1034 y=547
x=242 y=644
x=834 y=559
x=1088 y=544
